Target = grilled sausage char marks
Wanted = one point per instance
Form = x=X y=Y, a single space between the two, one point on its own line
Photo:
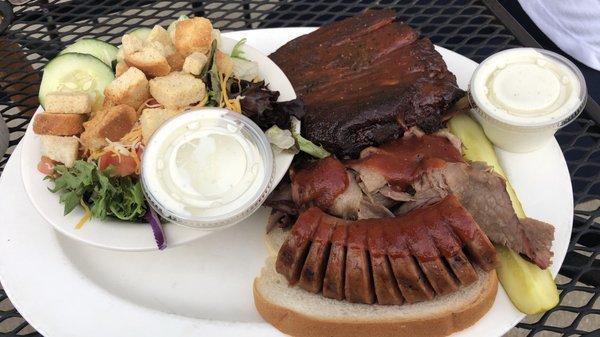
x=410 y=258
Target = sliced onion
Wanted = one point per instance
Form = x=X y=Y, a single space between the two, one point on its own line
x=159 y=234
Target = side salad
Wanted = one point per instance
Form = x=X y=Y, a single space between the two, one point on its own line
x=102 y=103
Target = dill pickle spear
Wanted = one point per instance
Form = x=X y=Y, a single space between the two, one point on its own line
x=531 y=289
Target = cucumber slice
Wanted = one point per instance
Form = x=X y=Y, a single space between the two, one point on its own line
x=76 y=72
x=105 y=52
x=141 y=33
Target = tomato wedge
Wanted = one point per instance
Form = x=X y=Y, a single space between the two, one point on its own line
x=46 y=166
x=123 y=165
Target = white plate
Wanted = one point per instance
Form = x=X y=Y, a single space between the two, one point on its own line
x=120 y=235
x=65 y=288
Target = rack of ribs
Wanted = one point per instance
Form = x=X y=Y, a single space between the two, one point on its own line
x=409 y=258
x=366 y=79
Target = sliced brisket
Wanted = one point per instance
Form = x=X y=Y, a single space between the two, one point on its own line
x=483 y=193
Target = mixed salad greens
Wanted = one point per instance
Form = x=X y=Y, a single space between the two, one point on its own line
x=105 y=194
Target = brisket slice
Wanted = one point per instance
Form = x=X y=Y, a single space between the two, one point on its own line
x=411 y=257
x=483 y=193
x=366 y=79
x=329 y=185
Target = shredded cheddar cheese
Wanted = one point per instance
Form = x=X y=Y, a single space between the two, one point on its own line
x=86 y=215
x=203 y=101
x=226 y=102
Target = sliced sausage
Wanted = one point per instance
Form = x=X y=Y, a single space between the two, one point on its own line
x=359 y=286
x=386 y=288
x=439 y=276
x=311 y=277
x=292 y=253
x=412 y=282
x=333 y=283
x=462 y=268
x=408 y=258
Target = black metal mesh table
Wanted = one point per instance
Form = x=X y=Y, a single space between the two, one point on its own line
x=33 y=33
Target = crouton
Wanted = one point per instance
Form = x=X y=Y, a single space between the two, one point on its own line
x=151 y=119
x=177 y=90
x=60 y=149
x=192 y=35
x=160 y=40
x=58 y=124
x=130 y=88
x=112 y=124
x=159 y=34
x=131 y=44
x=224 y=62
x=67 y=103
x=175 y=61
x=194 y=63
x=121 y=68
x=149 y=60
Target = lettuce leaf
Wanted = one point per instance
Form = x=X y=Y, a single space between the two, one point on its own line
x=120 y=197
x=259 y=103
x=306 y=145
x=237 y=51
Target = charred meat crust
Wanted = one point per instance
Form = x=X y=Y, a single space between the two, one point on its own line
x=409 y=258
x=365 y=80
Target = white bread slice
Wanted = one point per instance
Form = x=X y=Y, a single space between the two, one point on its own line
x=274 y=240
x=297 y=312
x=60 y=149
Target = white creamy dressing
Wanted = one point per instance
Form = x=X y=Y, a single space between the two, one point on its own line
x=524 y=86
x=524 y=95
x=200 y=166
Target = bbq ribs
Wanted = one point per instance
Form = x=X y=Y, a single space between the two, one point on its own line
x=366 y=79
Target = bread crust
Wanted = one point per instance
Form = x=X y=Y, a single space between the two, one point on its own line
x=58 y=124
x=443 y=324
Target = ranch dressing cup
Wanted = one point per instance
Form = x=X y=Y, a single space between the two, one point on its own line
x=207 y=168
x=524 y=95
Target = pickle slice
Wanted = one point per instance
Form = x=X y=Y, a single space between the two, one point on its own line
x=531 y=289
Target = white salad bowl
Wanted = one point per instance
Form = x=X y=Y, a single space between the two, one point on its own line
x=127 y=236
